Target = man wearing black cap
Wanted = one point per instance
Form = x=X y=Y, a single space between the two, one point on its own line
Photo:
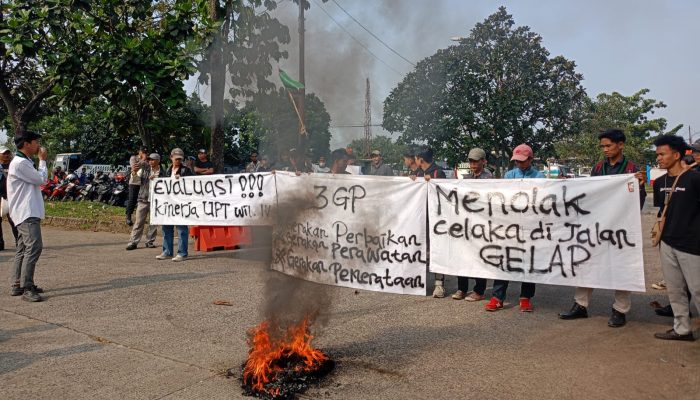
x=136 y=162
x=202 y=166
x=146 y=174
x=27 y=211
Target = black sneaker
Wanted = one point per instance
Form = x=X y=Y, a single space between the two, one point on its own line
x=617 y=319
x=577 y=311
x=672 y=335
x=31 y=295
x=131 y=246
x=16 y=291
x=129 y=221
x=150 y=245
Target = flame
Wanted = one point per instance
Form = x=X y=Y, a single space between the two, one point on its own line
x=266 y=355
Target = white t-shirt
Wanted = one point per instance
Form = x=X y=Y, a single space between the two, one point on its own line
x=23 y=189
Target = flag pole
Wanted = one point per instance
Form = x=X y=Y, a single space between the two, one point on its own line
x=302 y=131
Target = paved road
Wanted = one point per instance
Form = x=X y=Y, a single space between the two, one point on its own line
x=121 y=325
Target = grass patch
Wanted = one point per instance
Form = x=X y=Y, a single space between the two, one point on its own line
x=87 y=210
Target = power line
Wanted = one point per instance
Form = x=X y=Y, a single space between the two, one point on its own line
x=373 y=35
x=355 y=39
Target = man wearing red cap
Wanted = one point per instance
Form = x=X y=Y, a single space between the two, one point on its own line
x=522 y=155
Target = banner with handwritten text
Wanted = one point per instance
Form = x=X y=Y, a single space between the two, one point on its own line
x=355 y=231
x=242 y=199
x=577 y=232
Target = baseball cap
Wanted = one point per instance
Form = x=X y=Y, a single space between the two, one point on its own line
x=522 y=152
x=695 y=146
x=177 y=153
x=154 y=156
x=3 y=149
x=202 y=151
x=476 y=154
x=376 y=153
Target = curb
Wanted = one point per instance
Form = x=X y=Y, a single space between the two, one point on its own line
x=81 y=224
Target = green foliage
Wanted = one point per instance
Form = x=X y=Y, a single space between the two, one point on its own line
x=496 y=89
x=43 y=45
x=633 y=114
x=280 y=123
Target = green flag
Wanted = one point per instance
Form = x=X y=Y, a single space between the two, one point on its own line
x=288 y=82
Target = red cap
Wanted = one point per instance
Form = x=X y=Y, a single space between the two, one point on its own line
x=522 y=153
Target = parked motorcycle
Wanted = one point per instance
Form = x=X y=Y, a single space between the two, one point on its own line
x=47 y=188
x=120 y=190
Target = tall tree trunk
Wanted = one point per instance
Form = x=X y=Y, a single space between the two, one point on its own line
x=217 y=85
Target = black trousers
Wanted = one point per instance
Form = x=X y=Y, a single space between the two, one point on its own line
x=15 y=233
x=479 y=284
x=133 y=198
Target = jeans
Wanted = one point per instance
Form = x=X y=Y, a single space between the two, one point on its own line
x=479 y=284
x=29 y=247
x=527 y=290
x=182 y=232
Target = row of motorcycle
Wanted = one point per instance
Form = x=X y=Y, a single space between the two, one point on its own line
x=105 y=188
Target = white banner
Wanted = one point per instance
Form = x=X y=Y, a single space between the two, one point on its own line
x=578 y=232
x=354 y=231
x=241 y=199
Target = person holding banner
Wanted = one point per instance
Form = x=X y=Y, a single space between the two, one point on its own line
x=612 y=142
x=377 y=167
x=424 y=159
x=409 y=160
x=477 y=162
x=523 y=156
x=679 y=190
x=146 y=174
x=339 y=161
x=176 y=171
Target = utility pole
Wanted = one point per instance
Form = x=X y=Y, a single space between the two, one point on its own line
x=368 y=124
x=302 y=79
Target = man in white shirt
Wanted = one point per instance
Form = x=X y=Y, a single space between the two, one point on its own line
x=27 y=211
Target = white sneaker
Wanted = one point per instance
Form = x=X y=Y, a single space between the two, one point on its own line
x=179 y=258
x=660 y=285
x=439 y=291
x=162 y=256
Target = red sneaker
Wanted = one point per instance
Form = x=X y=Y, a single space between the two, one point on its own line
x=494 y=304
x=525 y=305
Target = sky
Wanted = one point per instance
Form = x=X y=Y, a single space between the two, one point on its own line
x=618 y=45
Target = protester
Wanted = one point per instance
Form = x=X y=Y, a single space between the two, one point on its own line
x=424 y=159
x=339 y=161
x=5 y=159
x=680 y=237
x=409 y=160
x=254 y=165
x=612 y=142
x=477 y=162
x=321 y=167
x=177 y=171
x=136 y=162
x=146 y=174
x=377 y=166
x=264 y=164
x=202 y=166
x=523 y=156
x=27 y=210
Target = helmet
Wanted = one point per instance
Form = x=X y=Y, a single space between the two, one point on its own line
x=71 y=177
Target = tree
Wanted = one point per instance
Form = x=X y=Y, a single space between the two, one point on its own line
x=43 y=45
x=280 y=123
x=239 y=51
x=496 y=89
x=632 y=114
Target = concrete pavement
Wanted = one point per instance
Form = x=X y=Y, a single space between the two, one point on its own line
x=121 y=325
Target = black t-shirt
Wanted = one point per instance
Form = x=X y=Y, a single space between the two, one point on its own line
x=682 y=227
x=434 y=172
x=203 y=164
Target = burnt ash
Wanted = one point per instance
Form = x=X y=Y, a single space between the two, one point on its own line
x=290 y=380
